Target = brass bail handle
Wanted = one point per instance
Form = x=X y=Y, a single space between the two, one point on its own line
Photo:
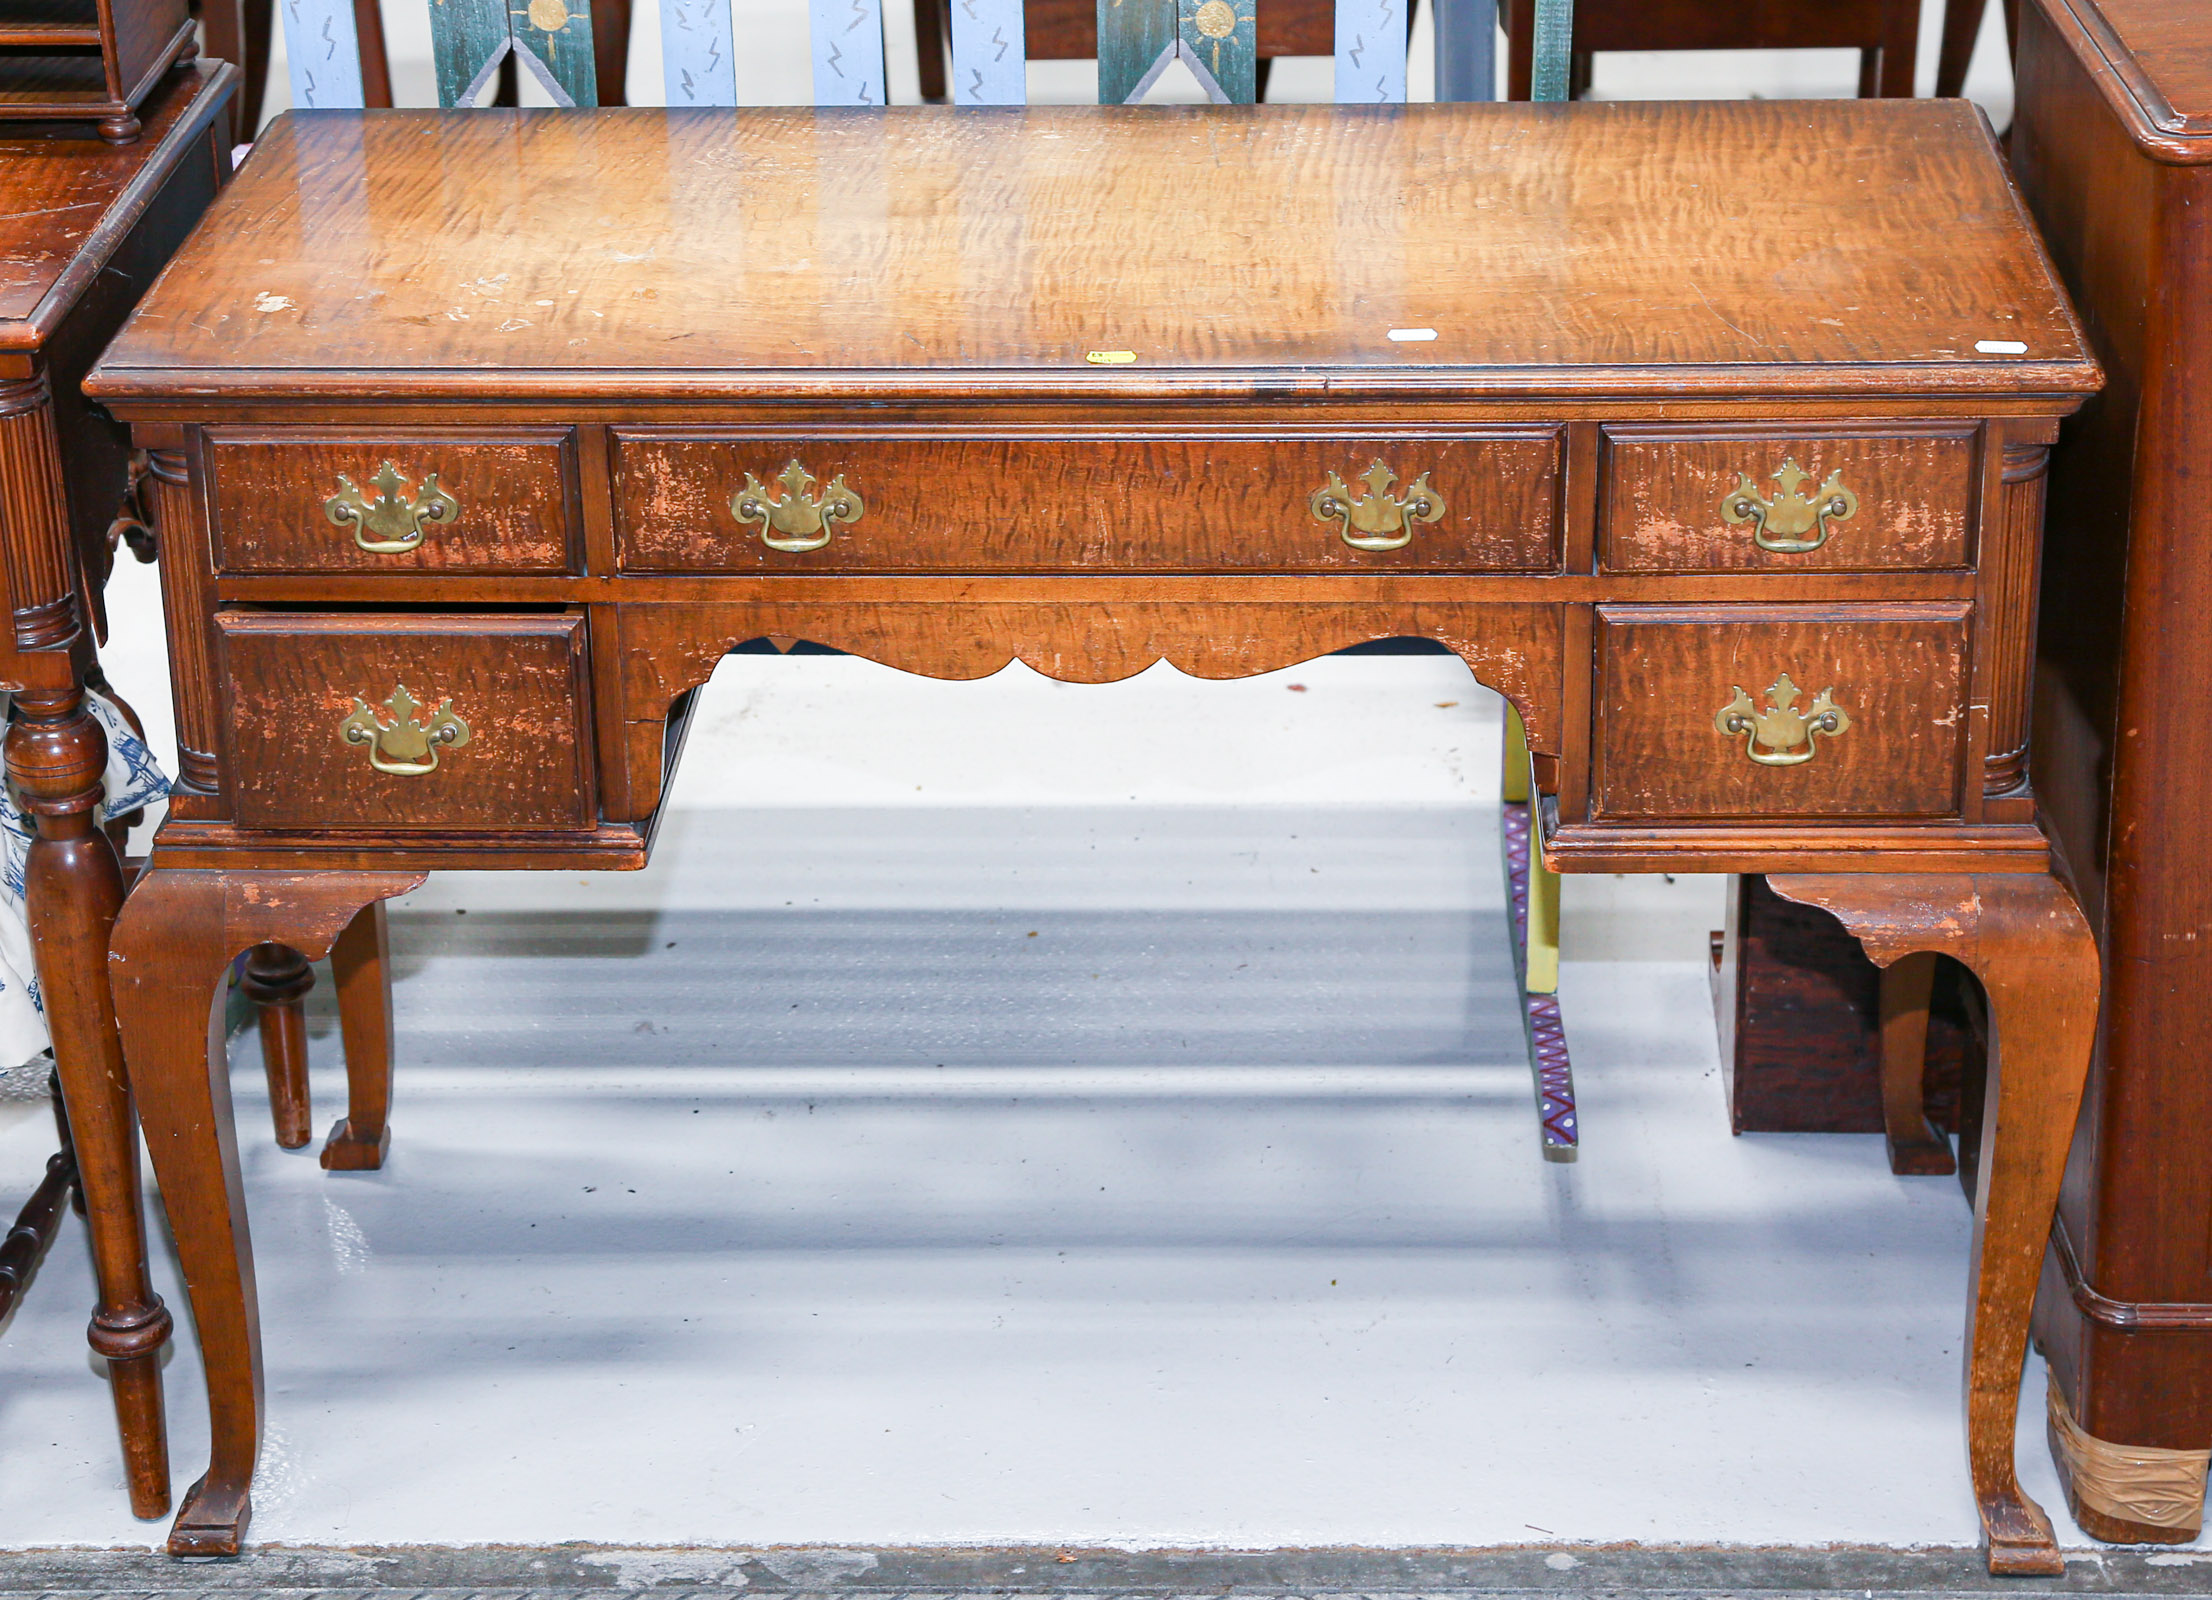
x=391 y=523
x=1782 y=523
x=401 y=741
x=798 y=519
x=1782 y=735
x=1374 y=518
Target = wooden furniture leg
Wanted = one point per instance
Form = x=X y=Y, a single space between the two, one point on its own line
x=361 y=963
x=276 y=980
x=40 y=1218
x=2026 y=939
x=929 y=48
x=1917 y=1148
x=73 y=882
x=179 y=931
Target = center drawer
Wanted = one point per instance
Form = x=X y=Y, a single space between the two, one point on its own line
x=1483 y=500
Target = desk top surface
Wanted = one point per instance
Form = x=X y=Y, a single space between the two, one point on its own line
x=67 y=199
x=2155 y=58
x=1832 y=246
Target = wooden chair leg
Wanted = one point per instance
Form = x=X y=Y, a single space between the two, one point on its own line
x=376 y=61
x=223 y=26
x=1900 y=53
x=1520 y=49
x=73 y=883
x=177 y=933
x=277 y=981
x=1916 y=1147
x=256 y=23
x=1962 y=26
x=40 y=1219
x=929 y=46
x=360 y=962
x=610 y=50
x=2023 y=935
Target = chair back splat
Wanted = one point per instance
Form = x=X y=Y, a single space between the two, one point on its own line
x=1138 y=40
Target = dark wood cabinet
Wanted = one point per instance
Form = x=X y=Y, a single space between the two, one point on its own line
x=2112 y=143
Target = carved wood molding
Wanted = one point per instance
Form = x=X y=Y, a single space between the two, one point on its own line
x=668 y=650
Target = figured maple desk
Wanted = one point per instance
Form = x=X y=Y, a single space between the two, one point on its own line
x=1710 y=435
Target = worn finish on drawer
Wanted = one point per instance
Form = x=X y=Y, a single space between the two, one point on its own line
x=1223 y=503
x=513 y=500
x=1669 y=493
x=1667 y=675
x=300 y=688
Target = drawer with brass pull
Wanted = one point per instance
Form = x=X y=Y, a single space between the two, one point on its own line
x=398 y=723
x=1776 y=500
x=1786 y=711
x=394 y=502
x=1483 y=500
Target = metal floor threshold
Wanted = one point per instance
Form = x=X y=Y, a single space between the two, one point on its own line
x=575 y=1571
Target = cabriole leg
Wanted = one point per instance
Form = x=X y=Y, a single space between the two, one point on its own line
x=276 y=980
x=177 y=934
x=361 y=964
x=2026 y=939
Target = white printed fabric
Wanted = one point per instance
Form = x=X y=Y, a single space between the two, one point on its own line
x=134 y=779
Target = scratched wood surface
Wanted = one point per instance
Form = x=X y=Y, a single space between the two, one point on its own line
x=58 y=190
x=1870 y=243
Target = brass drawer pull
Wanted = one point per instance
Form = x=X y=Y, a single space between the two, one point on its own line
x=394 y=519
x=1772 y=737
x=399 y=741
x=803 y=518
x=1781 y=524
x=1374 y=519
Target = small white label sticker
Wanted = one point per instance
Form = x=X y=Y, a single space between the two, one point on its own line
x=2000 y=347
x=1411 y=335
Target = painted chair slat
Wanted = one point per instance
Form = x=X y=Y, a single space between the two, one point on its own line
x=989 y=53
x=322 y=54
x=1555 y=31
x=698 y=64
x=553 y=40
x=1138 y=40
x=1466 y=49
x=1220 y=43
x=550 y=39
x=1370 y=52
x=847 y=42
x=467 y=40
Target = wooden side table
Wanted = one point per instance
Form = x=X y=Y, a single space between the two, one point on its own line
x=88 y=226
x=1748 y=537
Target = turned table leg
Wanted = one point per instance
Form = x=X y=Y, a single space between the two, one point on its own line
x=1917 y=1147
x=175 y=937
x=276 y=980
x=2026 y=939
x=56 y=753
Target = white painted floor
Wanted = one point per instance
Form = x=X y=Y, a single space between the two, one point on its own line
x=1019 y=1112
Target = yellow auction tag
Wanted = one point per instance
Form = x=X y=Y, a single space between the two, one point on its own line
x=1109 y=358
